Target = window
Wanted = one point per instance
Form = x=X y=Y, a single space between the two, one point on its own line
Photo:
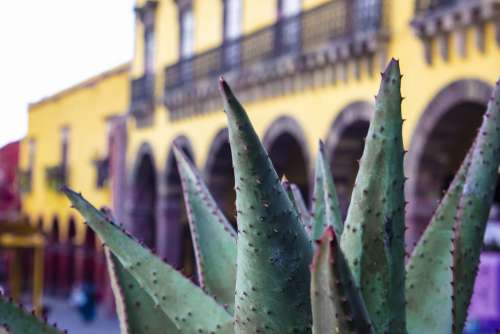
x=149 y=50
x=187 y=32
x=186 y=17
x=232 y=18
x=147 y=15
x=31 y=154
x=368 y=14
x=232 y=31
x=289 y=8
x=289 y=29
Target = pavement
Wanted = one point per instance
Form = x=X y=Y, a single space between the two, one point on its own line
x=67 y=318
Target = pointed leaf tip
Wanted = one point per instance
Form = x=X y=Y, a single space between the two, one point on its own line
x=326 y=205
x=376 y=212
x=224 y=88
x=261 y=280
x=321 y=146
x=392 y=66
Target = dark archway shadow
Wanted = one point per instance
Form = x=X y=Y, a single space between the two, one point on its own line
x=344 y=161
x=345 y=144
x=439 y=144
x=287 y=148
x=144 y=198
x=220 y=175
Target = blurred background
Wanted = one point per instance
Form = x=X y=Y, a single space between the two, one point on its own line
x=94 y=93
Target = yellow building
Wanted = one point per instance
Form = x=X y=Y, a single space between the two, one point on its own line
x=68 y=142
x=306 y=70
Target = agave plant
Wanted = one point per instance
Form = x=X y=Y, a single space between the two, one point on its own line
x=289 y=271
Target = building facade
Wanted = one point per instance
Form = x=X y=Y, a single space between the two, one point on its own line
x=305 y=70
x=70 y=140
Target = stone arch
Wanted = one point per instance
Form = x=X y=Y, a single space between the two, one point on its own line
x=287 y=147
x=440 y=141
x=345 y=144
x=144 y=197
x=219 y=174
x=174 y=237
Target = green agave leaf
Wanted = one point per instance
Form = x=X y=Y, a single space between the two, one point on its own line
x=373 y=236
x=298 y=202
x=429 y=275
x=16 y=320
x=187 y=306
x=137 y=311
x=274 y=252
x=326 y=207
x=475 y=204
x=337 y=305
x=213 y=236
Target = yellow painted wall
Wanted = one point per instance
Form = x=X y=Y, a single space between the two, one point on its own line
x=316 y=109
x=84 y=109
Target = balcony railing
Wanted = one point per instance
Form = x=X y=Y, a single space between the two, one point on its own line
x=423 y=6
x=142 y=95
x=102 y=172
x=336 y=20
x=56 y=176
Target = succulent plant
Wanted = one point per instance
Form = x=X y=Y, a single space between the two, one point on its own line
x=288 y=271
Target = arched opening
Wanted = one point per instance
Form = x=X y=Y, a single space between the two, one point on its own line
x=220 y=175
x=287 y=148
x=52 y=258
x=143 y=211
x=444 y=153
x=439 y=144
x=345 y=144
x=176 y=244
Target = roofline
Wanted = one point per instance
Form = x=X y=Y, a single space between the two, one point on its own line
x=93 y=80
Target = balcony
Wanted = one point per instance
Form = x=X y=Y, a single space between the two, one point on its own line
x=24 y=178
x=102 y=172
x=339 y=30
x=56 y=176
x=438 y=20
x=142 y=95
x=425 y=6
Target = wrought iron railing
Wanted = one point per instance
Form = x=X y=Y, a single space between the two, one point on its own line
x=334 y=20
x=423 y=6
x=142 y=94
x=56 y=176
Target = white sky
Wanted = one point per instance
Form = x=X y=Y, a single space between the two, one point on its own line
x=47 y=45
